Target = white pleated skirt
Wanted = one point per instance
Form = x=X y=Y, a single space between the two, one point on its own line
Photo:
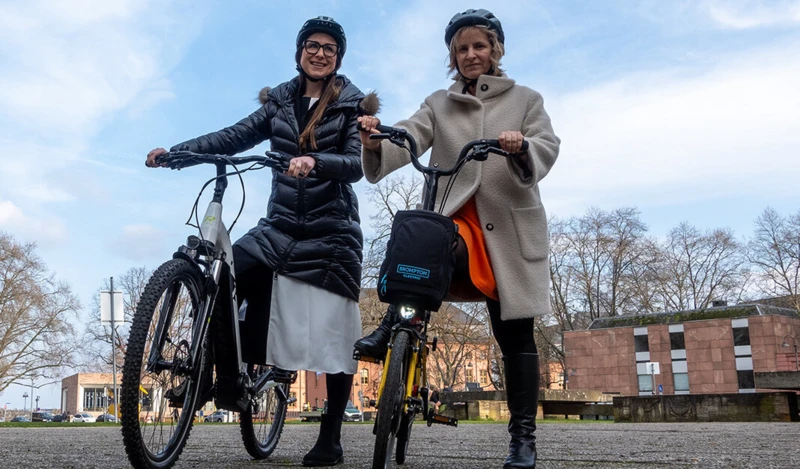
x=311 y=329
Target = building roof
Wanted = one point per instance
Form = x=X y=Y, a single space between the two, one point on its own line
x=737 y=311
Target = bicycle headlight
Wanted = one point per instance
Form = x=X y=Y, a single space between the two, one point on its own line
x=407 y=312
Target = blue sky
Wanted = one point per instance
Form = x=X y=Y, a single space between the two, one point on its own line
x=685 y=109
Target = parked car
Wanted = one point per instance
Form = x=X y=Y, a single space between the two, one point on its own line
x=42 y=417
x=106 y=418
x=352 y=414
x=83 y=417
x=218 y=416
x=59 y=418
x=20 y=418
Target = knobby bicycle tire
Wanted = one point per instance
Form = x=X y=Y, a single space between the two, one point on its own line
x=259 y=440
x=166 y=390
x=391 y=402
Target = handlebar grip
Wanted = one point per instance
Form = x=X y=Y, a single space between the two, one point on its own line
x=496 y=144
x=384 y=128
x=524 y=145
x=381 y=136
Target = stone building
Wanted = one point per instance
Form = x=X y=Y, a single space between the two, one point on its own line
x=715 y=350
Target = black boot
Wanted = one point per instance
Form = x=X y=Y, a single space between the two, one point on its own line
x=328 y=449
x=376 y=344
x=522 y=392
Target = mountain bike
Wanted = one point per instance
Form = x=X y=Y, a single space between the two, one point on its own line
x=184 y=346
x=414 y=279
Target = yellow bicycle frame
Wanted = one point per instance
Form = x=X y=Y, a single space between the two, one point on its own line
x=415 y=374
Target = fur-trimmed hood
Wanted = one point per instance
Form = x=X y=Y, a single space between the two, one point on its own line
x=368 y=104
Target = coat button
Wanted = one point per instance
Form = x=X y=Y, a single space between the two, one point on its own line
x=489 y=226
x=484 y=87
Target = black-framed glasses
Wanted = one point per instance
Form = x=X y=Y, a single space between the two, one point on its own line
x=328 y=50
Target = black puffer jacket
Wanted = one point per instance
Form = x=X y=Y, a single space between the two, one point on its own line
x=311 y=231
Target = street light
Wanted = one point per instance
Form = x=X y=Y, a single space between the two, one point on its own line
x=37 y=402
x=794 y=342
x=25 y=405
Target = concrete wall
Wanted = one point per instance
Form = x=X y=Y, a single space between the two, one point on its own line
x=763 y=407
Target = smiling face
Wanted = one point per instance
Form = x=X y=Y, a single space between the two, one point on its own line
x=318 y=65
x=473 y=52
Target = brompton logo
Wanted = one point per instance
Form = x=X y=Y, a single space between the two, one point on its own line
x=416 y=273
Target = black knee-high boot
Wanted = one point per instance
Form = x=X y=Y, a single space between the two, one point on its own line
x=522 y=393
x=328 y=449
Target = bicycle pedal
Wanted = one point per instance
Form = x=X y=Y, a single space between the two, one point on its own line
x=284 y=376
x=358 y=357
x=441 y=420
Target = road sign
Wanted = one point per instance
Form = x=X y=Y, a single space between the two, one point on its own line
x=661 y=389
x=105 y=308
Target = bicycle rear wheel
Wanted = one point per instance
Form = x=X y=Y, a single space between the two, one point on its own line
x=160 y=384
x=262 y=425
x=390 y=406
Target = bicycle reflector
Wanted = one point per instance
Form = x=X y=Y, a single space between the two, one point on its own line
x=407 y=312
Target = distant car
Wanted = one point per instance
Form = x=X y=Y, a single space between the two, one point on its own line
x=42 y=417
x=83 y=417
x=352 y=414
x=106 y=418
x=59 y=418
x=218 y=416
x=20 y=418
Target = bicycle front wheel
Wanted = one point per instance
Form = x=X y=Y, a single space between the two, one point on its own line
x=262 y=424
x=160 y=384
x=390 y=406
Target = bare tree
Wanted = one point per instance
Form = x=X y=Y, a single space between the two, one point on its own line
x=463 y=336
x=36 y=316
x=774 y=253
x=699 y=267
x=98 y=355
x=391 y=195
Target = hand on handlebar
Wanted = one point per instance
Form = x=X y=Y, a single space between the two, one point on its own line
x=150 y=162
x=511 y=141
x=366 y=126
x=301 y=166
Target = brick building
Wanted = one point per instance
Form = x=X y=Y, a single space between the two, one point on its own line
x=715 y=350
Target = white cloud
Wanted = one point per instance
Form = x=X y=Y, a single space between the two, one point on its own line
x=41 y=230
x=740 y=14
x=678 y=135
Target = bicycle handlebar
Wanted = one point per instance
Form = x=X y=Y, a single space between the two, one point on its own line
x=480 y=148
x=185 y=159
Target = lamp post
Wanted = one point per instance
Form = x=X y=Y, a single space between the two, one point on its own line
x=794 y=342
x=37 y=403
x=25 y=405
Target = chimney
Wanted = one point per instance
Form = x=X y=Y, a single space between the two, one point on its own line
x=718 y=303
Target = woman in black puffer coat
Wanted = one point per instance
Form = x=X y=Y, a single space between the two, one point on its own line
x=300 y=268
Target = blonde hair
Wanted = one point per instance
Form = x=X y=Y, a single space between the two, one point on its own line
x=330 y=94
x=498 y=51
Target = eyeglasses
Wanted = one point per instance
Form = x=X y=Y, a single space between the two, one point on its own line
x=328 y=50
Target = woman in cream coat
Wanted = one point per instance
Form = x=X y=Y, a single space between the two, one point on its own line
x=503 y=246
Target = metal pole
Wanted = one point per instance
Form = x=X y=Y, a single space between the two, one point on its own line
x=114 y=355
x=796 y=364
x=31 y=399
x=653 y=373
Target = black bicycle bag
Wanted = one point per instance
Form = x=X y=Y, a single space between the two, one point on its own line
x=420 y=258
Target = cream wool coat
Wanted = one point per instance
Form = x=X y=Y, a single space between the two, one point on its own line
x=509 y=206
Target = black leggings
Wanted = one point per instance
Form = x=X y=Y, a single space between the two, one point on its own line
x=513 y=336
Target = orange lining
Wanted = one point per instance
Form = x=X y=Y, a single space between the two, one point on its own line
x=480 y=269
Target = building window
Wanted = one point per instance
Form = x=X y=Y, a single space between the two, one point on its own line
x=641 y=343
x=676 y=341
x=681 y=382
x=746 y=379
x=645 y=384
x=741 y=336
x=94 y=399
x=484 y=377
x=364 y=376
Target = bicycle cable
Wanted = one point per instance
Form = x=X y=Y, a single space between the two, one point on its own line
x=238 y=173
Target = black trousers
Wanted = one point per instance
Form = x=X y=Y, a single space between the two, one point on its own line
x=513 y=336
x=254 y=291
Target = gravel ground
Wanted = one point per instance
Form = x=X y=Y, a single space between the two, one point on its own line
x=561 y=446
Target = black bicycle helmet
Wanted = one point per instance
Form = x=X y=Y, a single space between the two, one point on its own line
x=473 y=17
x=327 y=25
